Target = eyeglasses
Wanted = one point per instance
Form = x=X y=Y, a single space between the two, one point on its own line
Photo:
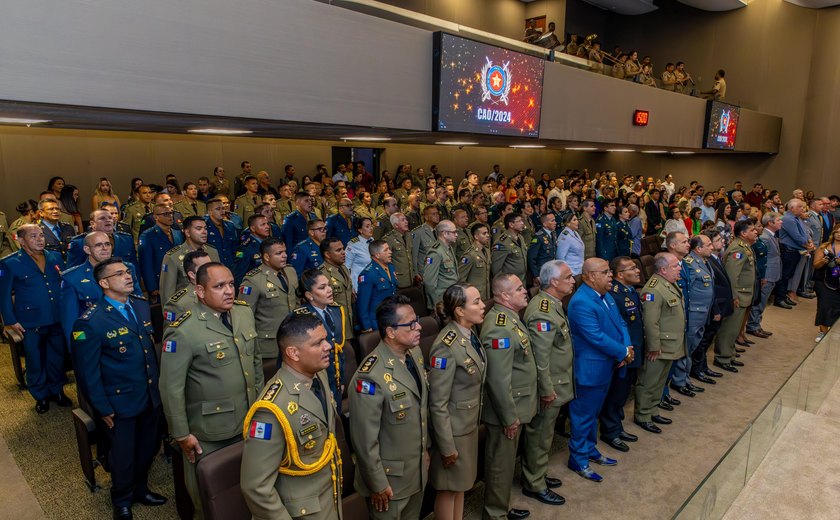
x=319 y=228
x=605 y=272
x=167 y=214
x=412 y=325
x=121 y=272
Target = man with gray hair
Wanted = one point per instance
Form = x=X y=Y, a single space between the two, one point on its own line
x=794 y=242
x=401 y=243
x=440 y=269
x=771 y=222
x=636 y=233
x=551 y=342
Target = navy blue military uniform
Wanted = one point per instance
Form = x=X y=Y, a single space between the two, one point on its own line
x=294 y=228
x=306 y=255
x=543 y=247
x=58 y=239
x=333 y=319
x=623 y=239
x=117 y=371
x=148 y=221
x=247 y=257
x=123 y=248
x=340 y=228
x=606 y=233
x=152 y=247
x=374 y=286
x=225 y=245
x=36 y=308
x=723 y=305
x=630 y=309
x=79 y=291
x=699 y=282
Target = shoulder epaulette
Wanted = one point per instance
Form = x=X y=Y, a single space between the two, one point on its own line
x=501 y=319
x=652 y=283
x=86 y=315
x=240 y=302
x=545 y=305
x=688 y=259
x=355 y=239
x=368 y=364
x=302 y=310
x=253 y=271
x=449 y=338
x=174 y=250
x=181 y=319
x=503 y=236
x=272 y=390
x=615 y=288
x=178 y=295
x=70 y=270
x=138 y=297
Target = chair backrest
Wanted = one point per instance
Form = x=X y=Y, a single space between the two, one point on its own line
x=647 y=266
x=418 y=299
x=218 y=484
x=354 y=507
x=348 y=468
x=368 y=342
x=350 y=365
x=651 y=244
x=430 y=329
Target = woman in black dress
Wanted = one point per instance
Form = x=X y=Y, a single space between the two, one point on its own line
x=827 y=282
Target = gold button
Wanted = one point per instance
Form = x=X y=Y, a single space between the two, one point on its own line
x=401 y=407
x=147 y=366
x=246 y=373
x=236 y=340
x=218 y=347
x=150 y=381
x=146 y=350
x=387 y=470
x=303 y=511
x=118 y=390
x=218 y=408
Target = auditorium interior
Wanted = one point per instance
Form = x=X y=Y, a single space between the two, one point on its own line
x=93 y=89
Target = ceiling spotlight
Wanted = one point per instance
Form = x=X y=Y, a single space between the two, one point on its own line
x=654 y=151
x=682 y=153
x=22 y=121
x=364 y=138
x=620 y=150
x=220 y=131
x=582 y=149
x=457 y=143
x=527 y=146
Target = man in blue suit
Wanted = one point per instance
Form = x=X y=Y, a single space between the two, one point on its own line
x=117 y=371
x=102 y=220
x=79 y=291
x=601 y=344
x=294 y=225
x=794 y=241
x=376 y=282
x=340 y=225
x=221 y=233
x=248 y=255
x=153 y=245
x=31 y=276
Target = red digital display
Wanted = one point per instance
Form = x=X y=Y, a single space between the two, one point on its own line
x=641 y=117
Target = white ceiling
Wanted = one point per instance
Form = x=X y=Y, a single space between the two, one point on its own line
x=637 y=7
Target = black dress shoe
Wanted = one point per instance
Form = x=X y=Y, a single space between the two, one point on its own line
x=665 y=405
x=616 y=444
x=694 y=388
x=790 y=302
x=150 y=499
x=673 y=401
x=783 y=304
x=712 y=373
x=658 y=419
x=737 y=355
x=703 y=378
x=736 y=363
x=628 y=437
x=742 y=343
x=122 y=513
x=588 y=474
x=518 y=514
x=740 y=350
x=553 y=483
x=546 y=496
x=749 y=341
x=648 y=427
x=758 y=334
x=684 y=390
x=806 y=295
x=726 y=366
x=42 y=406
x=61 y=400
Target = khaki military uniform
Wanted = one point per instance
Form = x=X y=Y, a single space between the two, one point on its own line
x=548 y=329
x=5 y=237
x=456 y=377
x=462 y=243
x=587 y=232
x=497 y=230
x=510 y=255
x=663 y=313
x=283 y=208
x=423 y=238
x=133 y=217
x=405 y=268
x=669 y=81
x=440 y=272
x=289 y=430
x=342 y=286
x=185 y=207
x=402 y=197
x=739 y=263
x=244 y=206
x=474 y=269
x=209 y=378
x=263 y=290
x=221 y=187
x=388 y=428
x=528 y=231
x=363 y=211
x=179 y=303
x=511 y=394
x=382 y=226
x=11 y=235
x=172 y=274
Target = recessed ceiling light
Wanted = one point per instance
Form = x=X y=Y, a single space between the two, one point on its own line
x=527 y=146
x=220 y=131
x=457 y=143
x=365 y=138
x=582 y=149
x=682 y=153
x=21 y=121
x=654 y=151
x=620 y=150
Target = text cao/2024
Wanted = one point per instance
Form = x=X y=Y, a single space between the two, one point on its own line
x=495 y=116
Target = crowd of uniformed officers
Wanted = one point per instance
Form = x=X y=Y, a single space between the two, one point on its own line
x=284 y=283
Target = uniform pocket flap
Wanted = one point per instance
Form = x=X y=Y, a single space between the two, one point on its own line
x=212 y=407
x=399 y=404
x=303 y=506
x=467 y=405
x=521 y=390
x=251 y=334
x=666 y=335
x=215 y=346
x=119 y=390
x=393 y=467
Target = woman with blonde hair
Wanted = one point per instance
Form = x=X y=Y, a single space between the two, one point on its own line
x=103 y=194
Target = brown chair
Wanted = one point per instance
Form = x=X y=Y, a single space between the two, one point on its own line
x=428 y=333
x=218 y=484
x=418 y=299
x=354 y=507
x=15 y=342
x=368 y=342
x=350 y=366
x=647 y=266
x=652 y=244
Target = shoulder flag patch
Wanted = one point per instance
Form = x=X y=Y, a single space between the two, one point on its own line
x=501 y=343
x=449 y=338
x=428 y=260
x=169 y=316
x=648 y=297
x=438 y=362
x=246 y=290
x=165 y=268
x=79 y=335
x=543 y=326
x=365 y=387
x=260 y=430
x=169 y=346
x=737 y=256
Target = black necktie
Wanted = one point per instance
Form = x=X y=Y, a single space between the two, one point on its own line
x=319 y=393
x=195 y=208
x=477 y=346
x=329 y=321
x=226 y=321
x=412 y=368
x=132 y=318
x=283 y=281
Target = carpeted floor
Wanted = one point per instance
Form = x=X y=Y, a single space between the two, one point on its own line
x=650 y=482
